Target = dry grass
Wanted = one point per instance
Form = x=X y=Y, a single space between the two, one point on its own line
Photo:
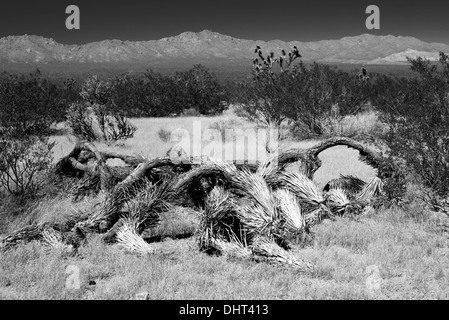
x=361 y=124
x=46 y=210
x=146 y=142
x=405 y=245
x=412 y=259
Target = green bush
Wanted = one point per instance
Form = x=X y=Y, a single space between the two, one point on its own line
x=24 y=163
x=96 y=91
x=149 y=95
x=30 y=104
x=98 y=117
x=79 y=119
x=201 y=90
x=155 y=95
x=301 y=94
x=417 y=112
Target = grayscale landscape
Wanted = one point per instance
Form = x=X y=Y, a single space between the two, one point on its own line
x=204 y=166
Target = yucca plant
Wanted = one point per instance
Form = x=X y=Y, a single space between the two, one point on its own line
x=231 y=248
x=128 y=238
x=371 y=190
x=218 y=219
x=301 y=186
x=290 y=210
x=112 y=204
x=228 y=169
x=257 y=209
x=256 y=221
x=54 y=240
x=145 y=211
x=254 y=187
x=268 y=168
x=145 y=208
x=267 y=250
x=28 y=233
x=315 y=216
x=90 y=183
x=337 y=201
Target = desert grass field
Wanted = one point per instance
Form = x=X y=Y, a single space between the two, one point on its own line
x=147 y=142
x=395 y=253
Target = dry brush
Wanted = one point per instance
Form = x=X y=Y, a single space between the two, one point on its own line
x=247 y=210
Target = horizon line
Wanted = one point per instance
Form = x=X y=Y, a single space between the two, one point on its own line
x=211 y=31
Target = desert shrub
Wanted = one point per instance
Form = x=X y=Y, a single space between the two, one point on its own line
x=164 y=135
x=97 y=116
x=260 y=101
x=417 y=113
x=112 y=124
x=24 y=164
x=163 y=96
x=149 y=95
x=80 y=121
x=262 y=97
x=304 y=95
x=320 y=91
x=119 y=128
x=96 y=91
x=153 y=94
x=30 y=104
x=201 y=90
x=191 y=112
x=97 y=123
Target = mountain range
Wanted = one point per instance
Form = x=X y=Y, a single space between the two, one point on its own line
x=365 y=48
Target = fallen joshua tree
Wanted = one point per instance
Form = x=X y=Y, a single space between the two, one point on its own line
x=247 y=210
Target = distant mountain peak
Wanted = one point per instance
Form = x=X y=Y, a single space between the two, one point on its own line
x=205 y=34
x=364 y=48
x=401 y=57
x=209 y=32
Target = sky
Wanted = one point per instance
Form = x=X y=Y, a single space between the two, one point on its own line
x=287 y=20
